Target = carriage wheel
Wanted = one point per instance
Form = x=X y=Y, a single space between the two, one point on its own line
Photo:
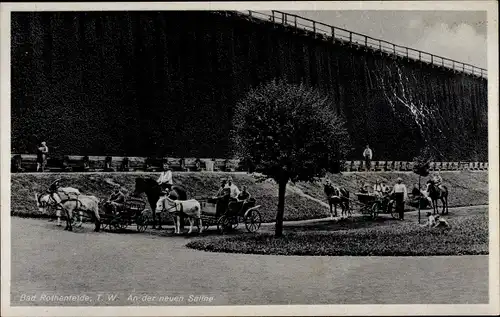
x=116 y=224
x=223 y=224
x=104 y=222
x=375 y=210
x=253 y=221
x=142 y=223
x=206 y=223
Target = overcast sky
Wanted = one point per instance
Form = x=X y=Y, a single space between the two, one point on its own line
x=458 y=35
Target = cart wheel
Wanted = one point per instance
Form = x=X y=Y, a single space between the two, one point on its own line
x=223 y=224
x=253 y=221
x=142 y=223
x=115 y=224
x=375 y=210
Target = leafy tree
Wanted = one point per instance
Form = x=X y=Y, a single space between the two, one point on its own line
x=421 y=165
x=290 y=132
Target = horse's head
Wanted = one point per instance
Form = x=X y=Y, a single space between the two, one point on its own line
x=55 y=184
x=430 y=186
x=44 y=200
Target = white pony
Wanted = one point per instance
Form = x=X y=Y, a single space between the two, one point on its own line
x=71 y=203
x=45 y=200
x=190 y=208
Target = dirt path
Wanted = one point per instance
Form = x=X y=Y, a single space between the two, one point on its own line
x=47 y=260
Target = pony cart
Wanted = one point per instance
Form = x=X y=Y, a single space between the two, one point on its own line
x=373 y=205
x=133 y=211
x=228 y=214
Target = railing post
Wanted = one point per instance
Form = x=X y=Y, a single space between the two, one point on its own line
x=333 y=32
x=432 y=59
x=380 y=45
x=481 y=72
x=350 y=37
x=273 y=16
x=472 y=70
x=283 y=18
x=314 y=27
x=453 y=63
x=366 y=41
x=442 y=61
x=419 y=55
x=407 y=53
x=295 y=21
x=394 y=49
x=250 y=13
x=463 y=67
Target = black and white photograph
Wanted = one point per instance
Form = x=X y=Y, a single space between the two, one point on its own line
x=247 y=158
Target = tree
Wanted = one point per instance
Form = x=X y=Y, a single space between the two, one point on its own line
x=290 y=132
x=421 y=165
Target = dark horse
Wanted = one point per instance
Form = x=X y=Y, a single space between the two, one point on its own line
x=337 y=196
x=153 y=191
x=436 y=193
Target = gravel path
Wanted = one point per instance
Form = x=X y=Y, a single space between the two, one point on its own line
x=46 y=260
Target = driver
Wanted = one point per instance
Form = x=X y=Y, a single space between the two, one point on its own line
x=117 y=199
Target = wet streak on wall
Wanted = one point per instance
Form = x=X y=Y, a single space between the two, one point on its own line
x=166 y=83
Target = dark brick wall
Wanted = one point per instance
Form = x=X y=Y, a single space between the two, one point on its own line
x=165 y=83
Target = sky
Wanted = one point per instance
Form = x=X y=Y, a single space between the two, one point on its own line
x=458 y=35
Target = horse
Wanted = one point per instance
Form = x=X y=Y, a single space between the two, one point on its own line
x=337 y=196
x=189 y=208
x=438 y=192
x=44 y=201
x=153 y=192
x=81 y=203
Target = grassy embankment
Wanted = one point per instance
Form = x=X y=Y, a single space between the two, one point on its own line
x=466 y=188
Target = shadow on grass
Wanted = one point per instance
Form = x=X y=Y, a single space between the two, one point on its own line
x=358 y=222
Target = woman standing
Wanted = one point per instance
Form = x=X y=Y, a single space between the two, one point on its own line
x=41 y=157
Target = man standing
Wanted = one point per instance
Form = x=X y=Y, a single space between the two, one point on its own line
x=165 y=179
x=41 y=157
x=401 y=194
x=368 y=154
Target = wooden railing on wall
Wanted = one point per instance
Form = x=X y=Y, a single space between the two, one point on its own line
x=27 y=163
x=340 y=35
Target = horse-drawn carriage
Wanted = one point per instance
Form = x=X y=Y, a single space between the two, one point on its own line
x=133 y=212
x=373 y=205
x=227 y=214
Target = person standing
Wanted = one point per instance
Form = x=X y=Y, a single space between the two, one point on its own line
x=400 y=195
x=41 y=157
x=368 y=154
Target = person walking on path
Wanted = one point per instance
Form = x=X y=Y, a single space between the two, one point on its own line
x=367 y=155
x=401 y=194
x=41 y=157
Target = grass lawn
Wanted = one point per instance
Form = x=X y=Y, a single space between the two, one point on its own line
x=359 y=236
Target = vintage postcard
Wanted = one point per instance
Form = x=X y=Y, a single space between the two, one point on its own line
x=249 y=158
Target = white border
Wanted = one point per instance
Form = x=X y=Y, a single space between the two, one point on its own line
x=369 y=310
